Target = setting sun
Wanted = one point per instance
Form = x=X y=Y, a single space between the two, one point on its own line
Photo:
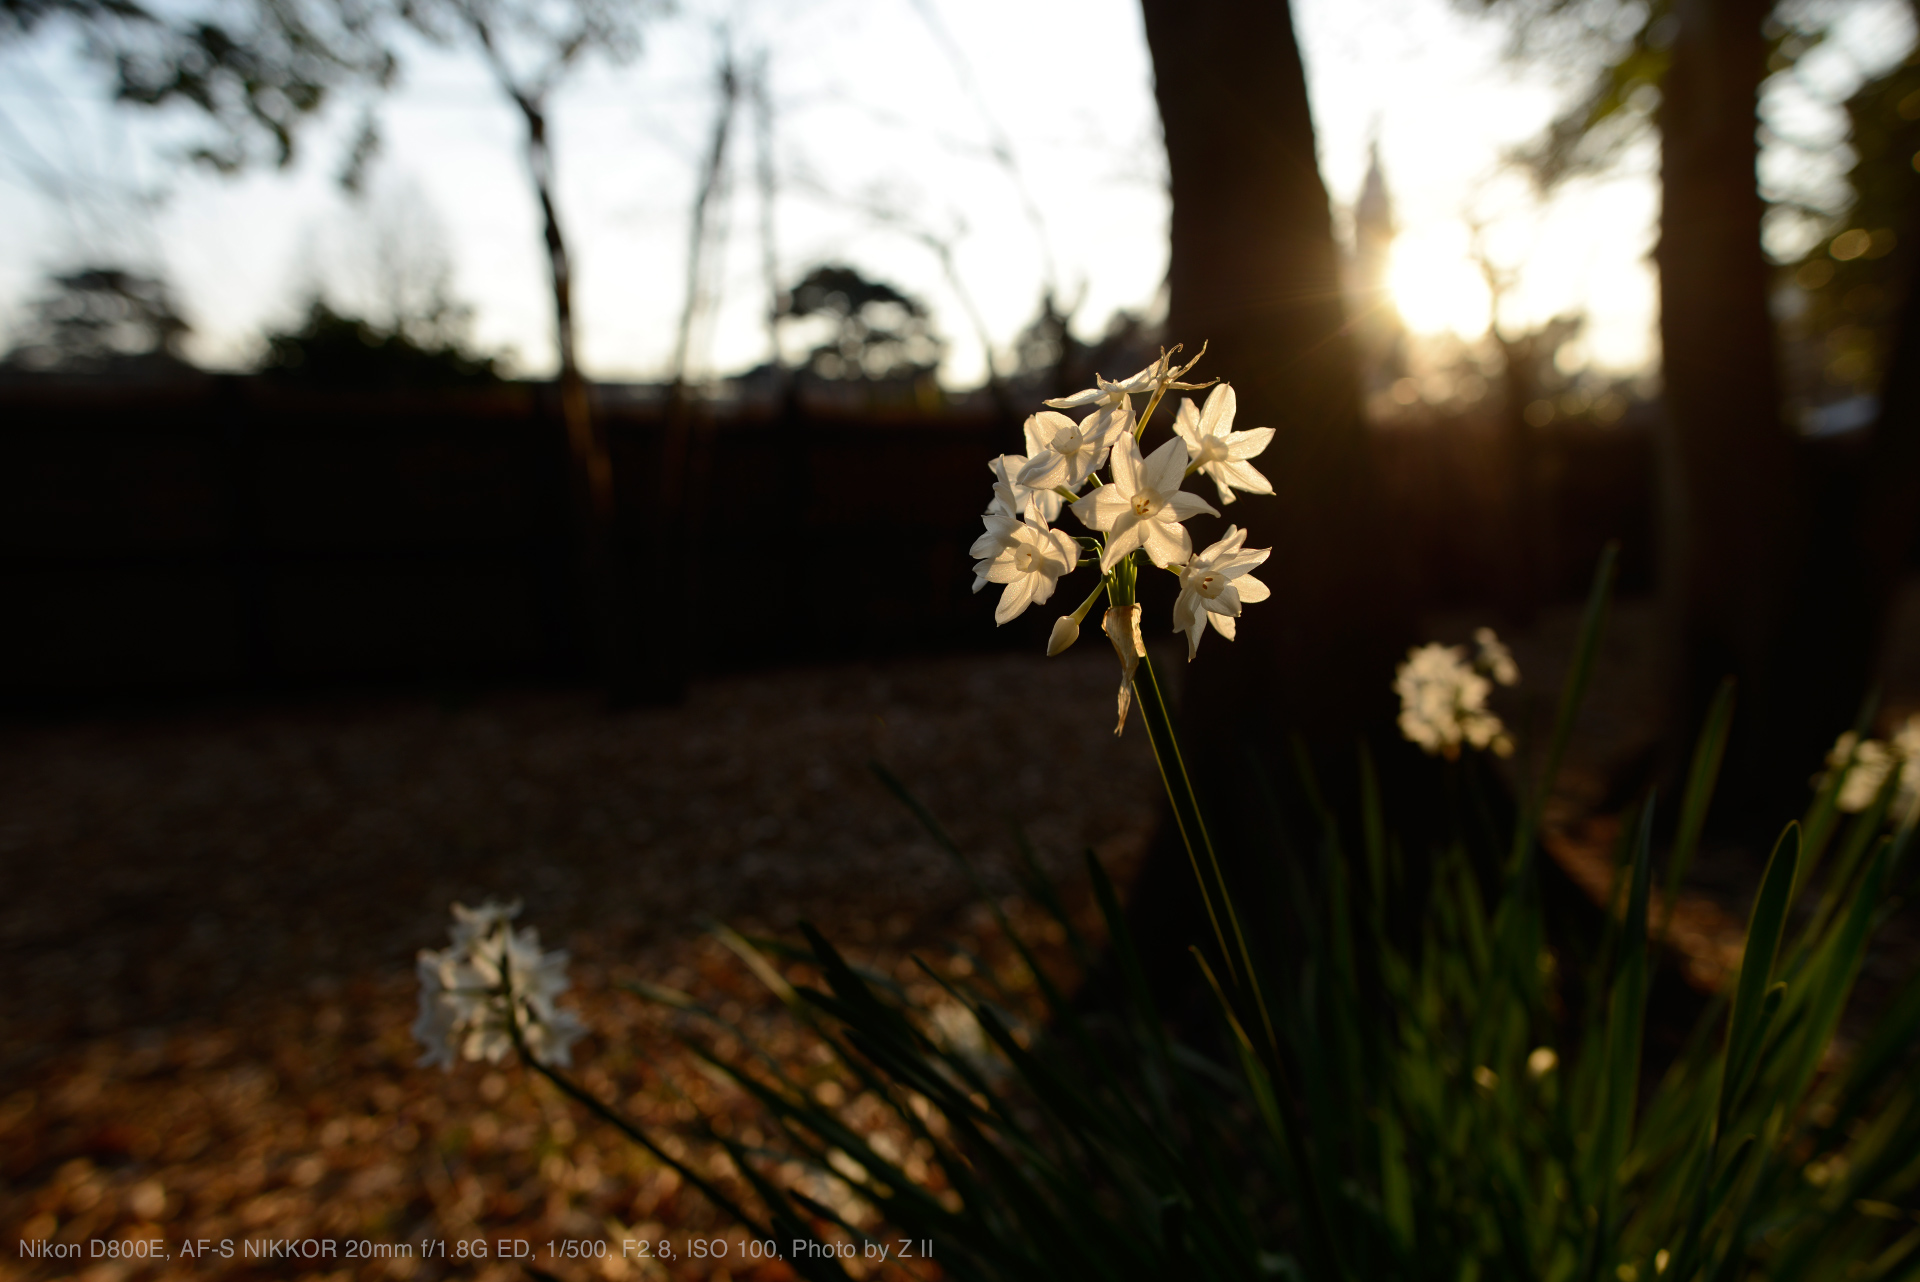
x=1434 y=284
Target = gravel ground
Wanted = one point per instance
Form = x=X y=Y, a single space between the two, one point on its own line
x=208 y=924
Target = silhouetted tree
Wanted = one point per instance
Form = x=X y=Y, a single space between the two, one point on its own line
x=329 y=350
x=1762 y=572
x=259 y=69
x=874 y=330
x=103 y=320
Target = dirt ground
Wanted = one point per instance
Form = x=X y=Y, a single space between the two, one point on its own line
x=209 y=926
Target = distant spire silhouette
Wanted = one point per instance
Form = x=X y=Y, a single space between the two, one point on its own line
x=1377 y=326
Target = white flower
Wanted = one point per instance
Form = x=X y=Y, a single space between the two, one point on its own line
x=492 y=977
x=1144 y=506
x=1869 y=763
x=1122 y=626
x=1061 y=452
x=1443 y=703
x=1001 y=525
x=1162 y=372
x=1906 y=746
x=1494 y=658
x=1215 y=449
x=1214 y=585
x=1017 y=498
x=1107 y=394
x=1030 y=565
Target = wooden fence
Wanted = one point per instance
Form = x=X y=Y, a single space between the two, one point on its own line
x=231 y=536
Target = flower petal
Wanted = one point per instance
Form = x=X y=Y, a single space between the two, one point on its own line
x=1126 y=466
x=1186 y=423
x=1249 y=444
x=1166 y=543
x=1087 y=397
x=1243 y=476
x=1251 y=590
x=1163 y=469
x=1100 y=508
x=1037 y=437
x=1065 y=550
x=1015 y=600
x=1046 y=469
x=1185 y=504
x=1108 y=422
x=1124 y=536
x=1216 y=416
x=1186 y=609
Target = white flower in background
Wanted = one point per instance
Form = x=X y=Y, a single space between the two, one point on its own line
x=1906 y=746
x=1030 y=565
x=472 y=993
x=1869 y=763
x=1061 y=452
x=1122 y=626
x=1021 y=500
x=1443 y=703
x=1144 y=506
x=1218 y=451
x=1214 y=585
x=1494 y=658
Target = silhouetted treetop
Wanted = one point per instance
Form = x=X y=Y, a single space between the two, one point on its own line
x=334 y=350
x=103 y=320
x=875 y=331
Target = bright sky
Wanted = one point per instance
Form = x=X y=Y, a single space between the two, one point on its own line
x=884 y=120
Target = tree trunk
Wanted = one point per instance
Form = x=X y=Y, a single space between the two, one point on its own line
x=606 y=596
x=1736 y=524
x=1254 y=273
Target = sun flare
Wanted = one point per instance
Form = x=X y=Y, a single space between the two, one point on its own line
x=1435 y=286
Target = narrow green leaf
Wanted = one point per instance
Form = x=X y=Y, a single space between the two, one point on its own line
x=1756 y=963
x=1572 y=692
x=1708 y=752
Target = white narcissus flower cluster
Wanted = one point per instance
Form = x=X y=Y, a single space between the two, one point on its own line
x=1869 y=763
x=1443 y=696
x=491 y=978
x=1214 y=585
x=1137 y=514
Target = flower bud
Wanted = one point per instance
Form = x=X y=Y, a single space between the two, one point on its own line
x=1066 y=630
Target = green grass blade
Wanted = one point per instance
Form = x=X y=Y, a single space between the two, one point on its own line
x=1572 y=692
x=1708 y=752
x=1756 y=965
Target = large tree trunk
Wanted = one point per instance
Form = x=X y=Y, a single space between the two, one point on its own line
x=1736 y=524
x=1254 y=272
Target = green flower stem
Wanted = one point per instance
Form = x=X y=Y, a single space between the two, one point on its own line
x=1166 y=747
